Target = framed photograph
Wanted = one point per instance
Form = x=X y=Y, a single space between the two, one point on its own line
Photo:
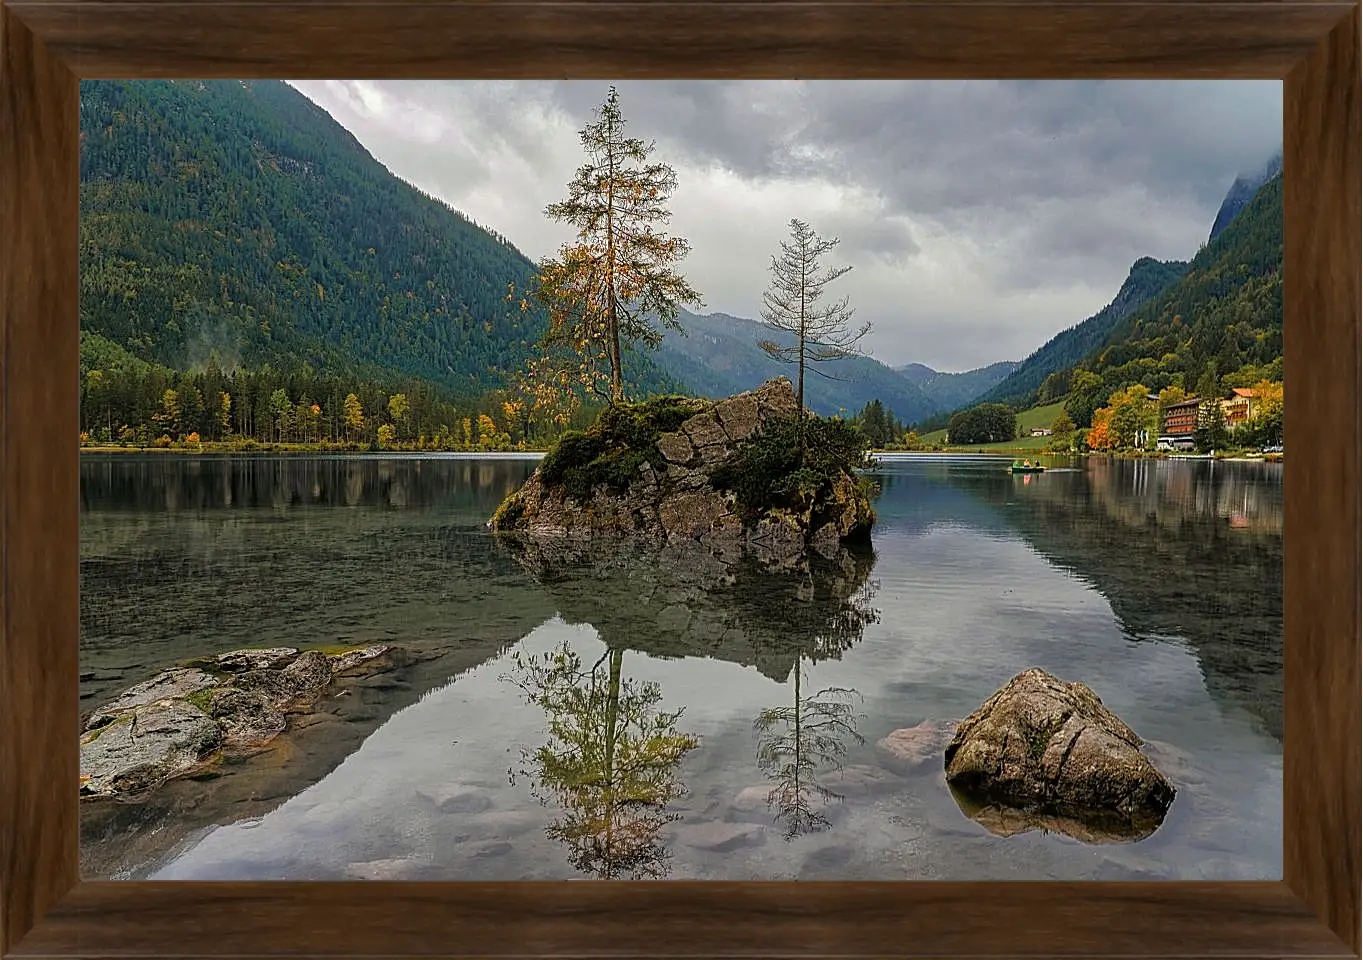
x=316 y=395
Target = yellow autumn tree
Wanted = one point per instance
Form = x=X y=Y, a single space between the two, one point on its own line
x=225 y=413
x=168 y=416
x=1268 y=398
x=513 y=411
x=606 y=286
x=1134 y=417
x=398 y=409
x=354 y=415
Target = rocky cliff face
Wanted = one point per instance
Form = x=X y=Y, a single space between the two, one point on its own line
x=1241 y=192
x=664 y=471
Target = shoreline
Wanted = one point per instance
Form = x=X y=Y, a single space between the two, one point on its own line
x=314 y=450
x=1034 y=455
x=301 y=450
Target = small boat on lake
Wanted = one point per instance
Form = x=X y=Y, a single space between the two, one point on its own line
x=1026 y=466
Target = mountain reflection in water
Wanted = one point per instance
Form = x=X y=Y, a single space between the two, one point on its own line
x=695 y=717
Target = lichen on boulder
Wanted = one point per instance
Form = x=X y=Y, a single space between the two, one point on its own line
x=185 y=720
x=1049 y=748
x=747 y=469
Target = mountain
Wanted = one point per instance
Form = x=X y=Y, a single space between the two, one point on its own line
x=1242 y=191
x=238 y=219
x=719 y=356
x=1222 y=319
x=1206 y=325
x=1043 y=376
x=1040 y=378
x=951 y=391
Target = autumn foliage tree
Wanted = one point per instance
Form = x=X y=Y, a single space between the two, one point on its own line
x=1134 y=418
x=606 y=287
x=1266 y=425
x=354 y=415
x=1100 y=436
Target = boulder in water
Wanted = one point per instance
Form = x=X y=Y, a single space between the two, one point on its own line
x=1047 y=747
x=183 y=720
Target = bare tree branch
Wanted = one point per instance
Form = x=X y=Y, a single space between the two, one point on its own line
x=791 y=304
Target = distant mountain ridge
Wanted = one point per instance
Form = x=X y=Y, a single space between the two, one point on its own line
x=718 y=356
x=1147 y=279
x=1043 y=376
x=950 y=391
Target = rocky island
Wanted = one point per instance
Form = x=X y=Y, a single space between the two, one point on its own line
x=752 y=469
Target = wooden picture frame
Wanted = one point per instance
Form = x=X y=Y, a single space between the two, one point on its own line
x=46 y=46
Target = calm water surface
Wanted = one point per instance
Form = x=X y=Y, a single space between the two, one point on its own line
x=1157 y=583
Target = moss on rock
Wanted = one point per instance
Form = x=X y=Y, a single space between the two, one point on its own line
x=612 y=449
x=751 y=467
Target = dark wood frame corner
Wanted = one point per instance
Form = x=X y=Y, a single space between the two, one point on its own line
x=46 y=46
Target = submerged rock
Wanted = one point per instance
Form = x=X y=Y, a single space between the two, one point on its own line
x=392 y=868
x=718 y=836
x=859 y=780
x=911 y=748
x=656 y=471
x=1047 y=748
x=184 y=720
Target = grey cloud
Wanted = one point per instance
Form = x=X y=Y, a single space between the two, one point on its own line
x=1056 y=185
x=983 y=157
x=887 y=239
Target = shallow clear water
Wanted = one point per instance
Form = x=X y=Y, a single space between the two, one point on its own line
x=1157 y=583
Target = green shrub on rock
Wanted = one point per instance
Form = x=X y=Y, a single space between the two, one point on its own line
x=793 y=464
x=613 y=448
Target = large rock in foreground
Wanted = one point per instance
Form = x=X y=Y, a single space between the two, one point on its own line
x=673 y=470
x=184 y=721
x=1044 y=746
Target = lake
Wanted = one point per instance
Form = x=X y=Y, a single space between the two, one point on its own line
x=1157 y=583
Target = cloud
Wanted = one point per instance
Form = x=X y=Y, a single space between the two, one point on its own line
x=980 y=217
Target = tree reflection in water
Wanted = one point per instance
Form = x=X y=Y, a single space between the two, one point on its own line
x=777 y=613
x=610 y=761
x=799 y=743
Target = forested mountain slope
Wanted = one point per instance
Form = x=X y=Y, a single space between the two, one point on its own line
x=951 y=391
x=1028 y=383
x=1224 y=315
x=237 y=218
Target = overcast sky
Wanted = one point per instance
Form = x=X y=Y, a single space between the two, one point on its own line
x=980 y=218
